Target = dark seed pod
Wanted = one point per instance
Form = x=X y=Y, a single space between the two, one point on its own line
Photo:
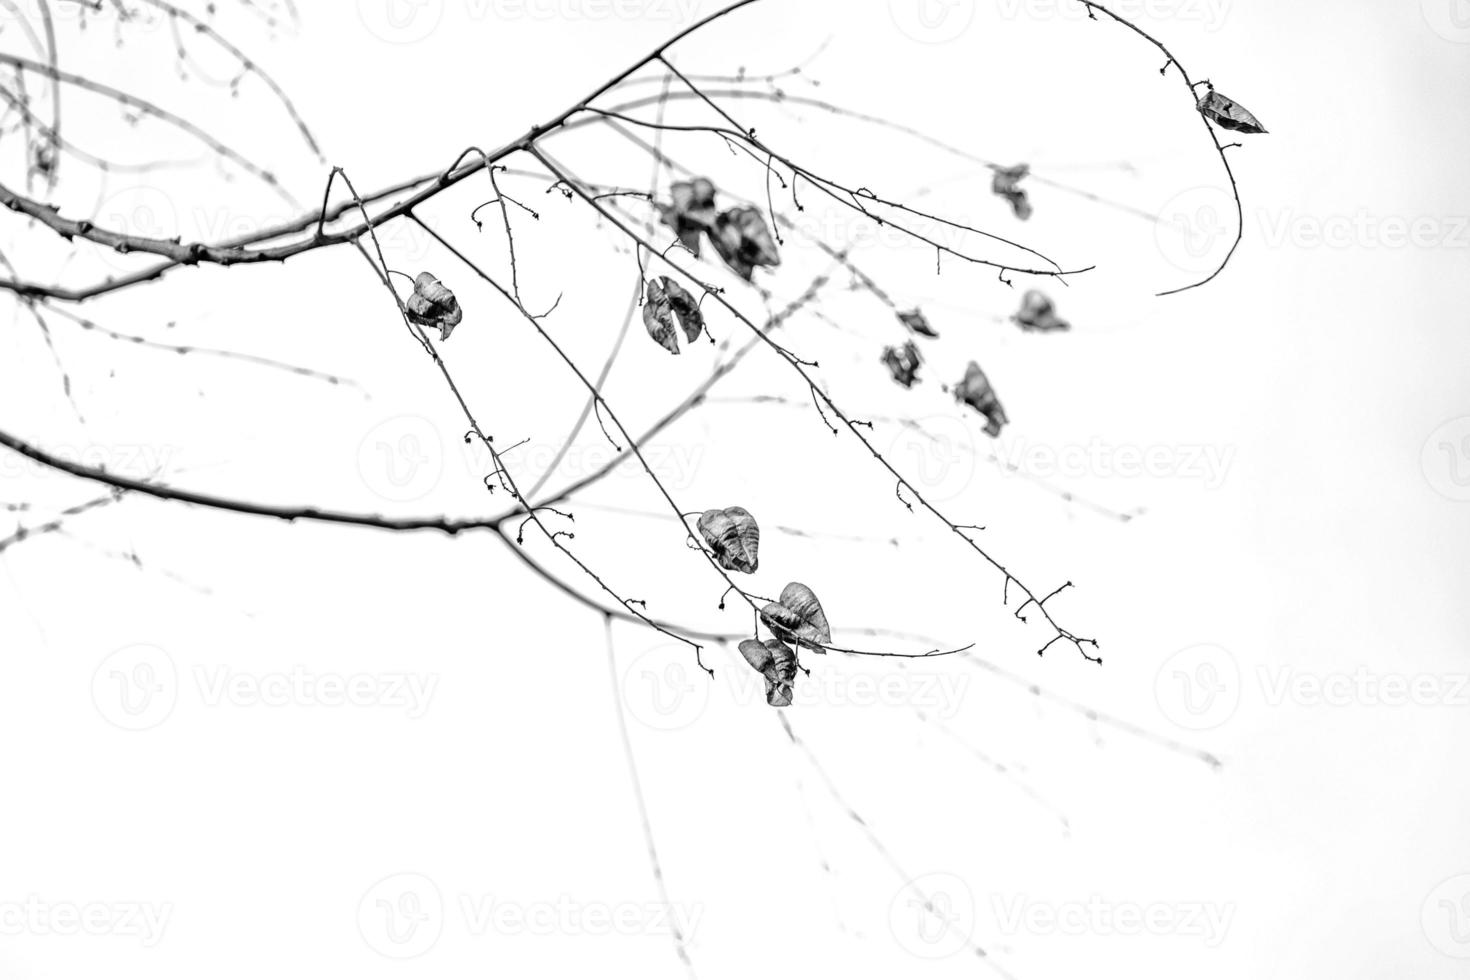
x=777 y=663
x=741 y=237
x=433 y=305
x=734 y=537
x=798 y=618
x=975 y=391
x=903 y=363
x=1006 y=183
x=1038 y=313
x=1229 y=114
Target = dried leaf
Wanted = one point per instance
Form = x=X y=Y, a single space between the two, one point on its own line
x=918 y=323
x=1229 y=114
x=778 y=663
x=903 y=363
x=433 y=305
x=798 y=618
x=733 y=535
x=1039 y=313
x=692 y=210
x=976 y=392
x=1006 y=183
x=741 y=237
x=658 y=316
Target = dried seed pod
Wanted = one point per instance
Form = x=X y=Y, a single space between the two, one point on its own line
x=734 y=537
x=1039 y=313
x=43 y=158
x=1228 y=114
x=691 y=318
x=666 y=300
x=903 y=363
x=658 y=316
x=741 y=237
x=918 y=323
x=975 y=391
x=433 y=305
x=777 y=663
x=798 y=618
x=1006 y=183
x=691 y=211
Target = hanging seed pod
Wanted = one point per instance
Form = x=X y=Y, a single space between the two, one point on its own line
x=658 y=316
x=777 y=663
x=1038 y=313
x=666 y=299
x=918 y=323
x=734 y=537
x=433 y=305
x=691 y=211
x=1228 y=114
x=741 y=237
x=1006 y=183
x=43 y=158
x=685 y=308
x=976 y=392
x=903 y=363
x=798 y=618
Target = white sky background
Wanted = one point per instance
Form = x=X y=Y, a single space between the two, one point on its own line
x=1309 y=412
